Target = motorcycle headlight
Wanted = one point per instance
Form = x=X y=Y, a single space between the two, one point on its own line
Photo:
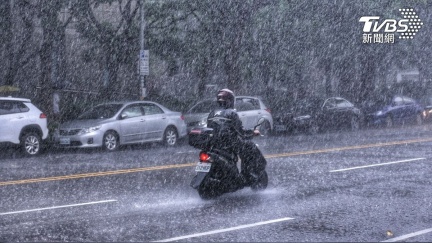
x=89 y=129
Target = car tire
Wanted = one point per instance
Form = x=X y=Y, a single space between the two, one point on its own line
x=31 y=143
x=110 y=141
x=355 y=123
x=170 y=137
x=388 y=122
x=265 y=128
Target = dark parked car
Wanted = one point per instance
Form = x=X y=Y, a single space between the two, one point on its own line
x=316 y=114
x=390 y=110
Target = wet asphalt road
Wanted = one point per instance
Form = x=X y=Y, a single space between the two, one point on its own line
x=372 y=185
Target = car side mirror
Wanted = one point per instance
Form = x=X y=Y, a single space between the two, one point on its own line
x=123 y=116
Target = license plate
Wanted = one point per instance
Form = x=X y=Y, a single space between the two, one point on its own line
x=203 y=167
x=65 y=141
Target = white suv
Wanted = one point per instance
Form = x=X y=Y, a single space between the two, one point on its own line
x=23 y=124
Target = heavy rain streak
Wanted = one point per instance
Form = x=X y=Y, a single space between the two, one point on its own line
x=215 y=121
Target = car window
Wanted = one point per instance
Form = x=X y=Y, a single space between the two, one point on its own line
x=244 y=106
x=408 y=101
x=132 y=111
x=22 y=107
x=152 y=109
x=329 y=104
x=342 y=103
x=10 y=107
x=255 y=103
x=397 y=101
x=204 y=107
x=101 y=112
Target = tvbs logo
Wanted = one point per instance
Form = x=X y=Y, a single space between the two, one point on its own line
x=385 y=29
x=371 y=24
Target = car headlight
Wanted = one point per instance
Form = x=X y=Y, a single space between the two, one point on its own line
x=203 y=122
x=89 y=129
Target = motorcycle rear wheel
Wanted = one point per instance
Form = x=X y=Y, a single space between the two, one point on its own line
x=208 y=190
x=261 y=182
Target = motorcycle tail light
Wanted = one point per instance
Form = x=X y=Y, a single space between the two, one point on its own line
x=204 y=157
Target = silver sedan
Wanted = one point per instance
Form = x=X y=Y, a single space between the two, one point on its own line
x=113 y=124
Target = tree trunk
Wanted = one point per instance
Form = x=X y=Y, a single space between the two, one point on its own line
x=52 y=56
x=6 y=34
x=327 y=77
x=111 y=89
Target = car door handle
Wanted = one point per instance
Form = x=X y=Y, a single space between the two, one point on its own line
x=142 y=120
x=163 y=117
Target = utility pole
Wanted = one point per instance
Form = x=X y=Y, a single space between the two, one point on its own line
x=141 y=72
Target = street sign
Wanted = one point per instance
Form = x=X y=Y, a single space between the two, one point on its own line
x=144 y=62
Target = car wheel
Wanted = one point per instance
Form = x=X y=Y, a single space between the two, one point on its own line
x=419 y=119
x=389 y=122
x=110 y=141
x=355 y=123
x=170 y=136
x=264 y=129
x=31 y=143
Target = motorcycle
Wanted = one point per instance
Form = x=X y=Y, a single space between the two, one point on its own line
x=217 y=172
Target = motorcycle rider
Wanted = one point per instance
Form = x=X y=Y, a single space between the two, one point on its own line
x=229 y=135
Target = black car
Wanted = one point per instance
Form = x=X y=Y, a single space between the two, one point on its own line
x=315 y=114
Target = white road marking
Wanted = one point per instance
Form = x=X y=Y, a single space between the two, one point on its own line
x=224 y=230
x=55 y=207
x=404 y=237
x=366 y=166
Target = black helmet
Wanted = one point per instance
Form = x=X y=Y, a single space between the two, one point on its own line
x=225 y=98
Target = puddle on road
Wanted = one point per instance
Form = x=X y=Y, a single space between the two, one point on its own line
x=182 y=201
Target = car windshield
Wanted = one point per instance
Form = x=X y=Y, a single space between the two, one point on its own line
x=101 y=112
x=204 y=107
